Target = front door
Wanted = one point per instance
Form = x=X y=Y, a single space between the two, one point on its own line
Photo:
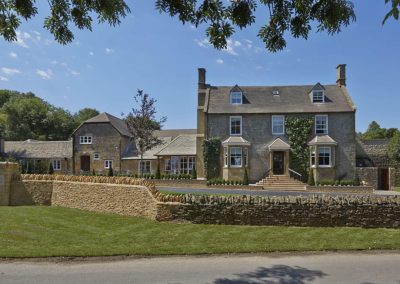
x=384 y=174
x=85 y=163
x=278 y=163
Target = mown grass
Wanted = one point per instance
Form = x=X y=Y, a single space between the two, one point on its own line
x=397 y=189
x=55 y=231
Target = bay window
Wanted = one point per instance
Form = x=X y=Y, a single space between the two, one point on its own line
x=236 y=157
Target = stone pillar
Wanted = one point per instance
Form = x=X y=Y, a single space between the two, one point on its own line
x=7 y=172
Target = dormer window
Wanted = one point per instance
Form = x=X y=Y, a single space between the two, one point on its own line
x=318 y=97
x=236 y=98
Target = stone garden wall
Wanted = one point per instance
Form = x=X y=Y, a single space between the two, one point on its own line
x=284 y=211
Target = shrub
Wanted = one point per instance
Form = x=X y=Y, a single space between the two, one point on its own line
x=311 y=180
x=110 y=172
x=194 y=173
x=50 y=171
x=245 y=178
x=158 y=172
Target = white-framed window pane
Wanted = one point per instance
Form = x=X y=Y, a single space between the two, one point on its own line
x=96 y=156
x=85 y=139
x=278 y=124
x=56 y=165
x=183 y=165
x=324 y=156
x=236 y=156
x=318 y=96
x=192 y=164
x=321 y=124
x=312 y=154
x=174 y=165
x=167 y=166
x=236 y=98
x=108 y=164
x=236 y=125
x=145 y=167
x=225 y=156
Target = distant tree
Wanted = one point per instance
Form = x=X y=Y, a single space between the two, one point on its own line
x=26 y=116
x=85 y=114
x=284 y=17
x=374 y=131
x=142 y=123
x=394 y=148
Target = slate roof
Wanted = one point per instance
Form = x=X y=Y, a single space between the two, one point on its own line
x=33 y=149
x=291 y=99
x=183 y=145
x=116 y=122
x=236 y=140
x=151 y=154
x=322 y=140
x=174 y=132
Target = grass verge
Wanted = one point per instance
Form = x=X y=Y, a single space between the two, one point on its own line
x=55 y=231
x=397 y=189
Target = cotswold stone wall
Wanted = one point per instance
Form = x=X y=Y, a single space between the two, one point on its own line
x=31 y=193
x=110 y=198
x=369 y=176
x=8 y=172
x=283 y=211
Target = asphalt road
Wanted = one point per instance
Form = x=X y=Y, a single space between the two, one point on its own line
x=261 y=192
x=365 y=268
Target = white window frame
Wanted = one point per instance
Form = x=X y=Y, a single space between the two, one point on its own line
x=283 y=124
x=241 y=157
x=167 y=166
x=330 y=156
x=107 y=164
x=144 y=169
x=226 y=157
x=312 y=155
x=191 y=164
x=327 y=124
x=85 y=139
x=233 y=97
x=56 y=165
x=231 y=118
x=319 y=93
x=96 y=156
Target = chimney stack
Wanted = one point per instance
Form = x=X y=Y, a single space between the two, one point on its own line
x=202 y=78
x=341 y=75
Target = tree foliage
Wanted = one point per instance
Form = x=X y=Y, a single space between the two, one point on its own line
x=142 y=123
x=295 y=17
x=63 y=13
x=375 y=131
x=26 y=116
x=393 y=150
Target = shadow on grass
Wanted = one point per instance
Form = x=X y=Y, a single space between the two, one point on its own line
x=277 y=274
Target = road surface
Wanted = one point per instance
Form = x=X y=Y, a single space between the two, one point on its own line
x=359 y=267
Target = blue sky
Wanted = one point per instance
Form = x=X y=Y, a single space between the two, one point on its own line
x=104 y=68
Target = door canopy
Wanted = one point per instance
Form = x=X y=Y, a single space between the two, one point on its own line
x=279 y=145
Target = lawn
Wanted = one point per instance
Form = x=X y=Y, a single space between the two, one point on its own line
x=397 y=189
x=54 y=231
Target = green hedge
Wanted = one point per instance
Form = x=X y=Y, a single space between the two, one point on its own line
x=219 y=181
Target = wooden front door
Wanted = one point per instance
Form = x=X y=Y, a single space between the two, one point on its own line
x=85 y=163
x=384 y=179
x=278 y=159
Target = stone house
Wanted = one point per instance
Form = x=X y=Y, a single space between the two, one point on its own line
x=250 y=122
x=104 y=141
x=100 y=143
x=374 y=166
x=40 y=154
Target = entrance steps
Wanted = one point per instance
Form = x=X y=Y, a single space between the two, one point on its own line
x=281 y=183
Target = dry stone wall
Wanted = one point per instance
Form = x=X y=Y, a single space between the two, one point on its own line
x=285 y=211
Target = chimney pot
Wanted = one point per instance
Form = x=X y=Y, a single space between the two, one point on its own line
x=202 y=78
x=341 y=75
